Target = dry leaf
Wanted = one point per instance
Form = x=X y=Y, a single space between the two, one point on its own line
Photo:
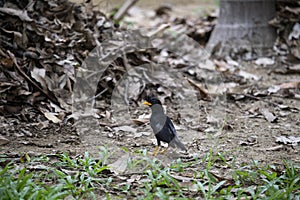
x=292 y=140
x=295 y=34
x=270 y=117
x=223 y=66
x=264 y=61
x=22 y=14
x=140 y=121
x=125 y=129
x=203 y=92
x=39 y=75
x=138 y=134
x=294 y=69
x=252 y=140
x=290 y=85
x=273 y=89
x=120 y=166
x=51 y=116
x=3 y=140
x=248 y=75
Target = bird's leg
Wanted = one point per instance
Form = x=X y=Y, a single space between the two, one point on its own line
x=156 y=151
x=164 y=150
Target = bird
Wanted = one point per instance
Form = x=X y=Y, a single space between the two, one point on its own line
x=162 y=126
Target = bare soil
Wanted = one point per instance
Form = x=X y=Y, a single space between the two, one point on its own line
x=245 y=137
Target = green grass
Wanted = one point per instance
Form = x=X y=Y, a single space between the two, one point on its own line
x=211 y=177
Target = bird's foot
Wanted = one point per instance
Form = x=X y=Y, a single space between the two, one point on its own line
x=164 y=151
x=156 y=151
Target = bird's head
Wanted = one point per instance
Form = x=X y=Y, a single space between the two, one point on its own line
x=150 y=101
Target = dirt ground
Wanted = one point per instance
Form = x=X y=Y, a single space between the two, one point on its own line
x=245 y=138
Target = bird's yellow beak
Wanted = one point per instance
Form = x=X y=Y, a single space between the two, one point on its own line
x=147 y=103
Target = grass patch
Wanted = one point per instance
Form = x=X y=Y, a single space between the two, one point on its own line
x=211 y=177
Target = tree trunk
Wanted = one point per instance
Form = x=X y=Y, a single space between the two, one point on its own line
x=243 y=30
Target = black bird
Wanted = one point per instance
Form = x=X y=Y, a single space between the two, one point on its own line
x=162 y=126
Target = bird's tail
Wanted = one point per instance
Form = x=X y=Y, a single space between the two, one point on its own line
x=178 y=144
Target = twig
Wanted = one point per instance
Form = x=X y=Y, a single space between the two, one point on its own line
x=124 y=8
x=204 y=94
x=272 y=148
x=116 y=124
x=160 y=29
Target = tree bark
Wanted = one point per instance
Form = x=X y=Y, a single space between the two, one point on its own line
x=242 y=30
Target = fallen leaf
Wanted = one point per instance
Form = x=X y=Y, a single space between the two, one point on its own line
x=290 y=85
x=41 y=125
x=125 y=129
x=120 y=166
x=38 y=167
x=292 y=140
x=203 y=92
x=134 y=178
x=140 y=121
x=51 y=116
x=248 y=75
x=294 y=68
x=252 y=140
x=138 y=134
x=273 y=89
x=295 y=34
x=222 y=66
x=182 y=178
x=107 y=114
x=39 y=75
x=22 y=14
x=270 y=117
x=3 y=140
x=264 y=61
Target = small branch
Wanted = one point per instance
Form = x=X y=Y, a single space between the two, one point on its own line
x=159 y=30
x=204 y=93
x=276 y=148
x=124 y=8
x=116 y=124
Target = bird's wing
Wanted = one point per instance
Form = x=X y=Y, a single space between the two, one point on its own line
x=171 y=126
x=175 y=140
